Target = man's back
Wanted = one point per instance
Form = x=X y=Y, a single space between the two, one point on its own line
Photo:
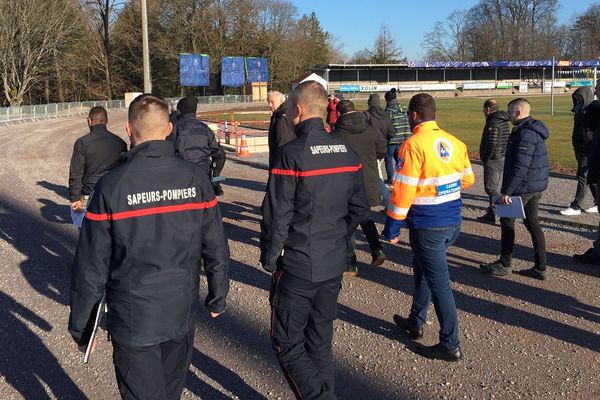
x=159 y=216
x=194 y=141
x=315 y=186
x=93 y=155
x=399 y=121
x=428 y=186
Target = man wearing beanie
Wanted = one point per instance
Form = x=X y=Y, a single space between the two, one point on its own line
x=402 y=131
x=195 y=141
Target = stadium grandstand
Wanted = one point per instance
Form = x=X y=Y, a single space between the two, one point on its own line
x=459 y=77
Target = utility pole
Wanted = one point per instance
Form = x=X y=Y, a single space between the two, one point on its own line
x=145 y=51
x=552 y=90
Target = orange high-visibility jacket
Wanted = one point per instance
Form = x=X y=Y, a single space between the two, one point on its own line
x=434 y=167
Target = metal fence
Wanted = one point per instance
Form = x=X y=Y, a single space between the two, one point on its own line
x=55 y=110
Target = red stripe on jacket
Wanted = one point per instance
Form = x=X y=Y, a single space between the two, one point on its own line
x=315 y=172
x=150 y=211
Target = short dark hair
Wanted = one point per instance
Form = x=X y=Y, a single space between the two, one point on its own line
x=345 y=106
x=146 y=105
x=98 y=115
x=424 y=105
x=492 y=104
x=312 y=96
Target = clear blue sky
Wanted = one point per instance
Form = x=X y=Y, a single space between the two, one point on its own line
x=355 y=23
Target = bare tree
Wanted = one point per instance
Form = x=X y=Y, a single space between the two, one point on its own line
x=30 y=33
x=385 y=49
x=447 y=41
x=103 y=14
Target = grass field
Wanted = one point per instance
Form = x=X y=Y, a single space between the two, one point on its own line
x=463 y=117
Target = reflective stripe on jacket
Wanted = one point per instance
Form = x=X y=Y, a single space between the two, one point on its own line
x=434 y=167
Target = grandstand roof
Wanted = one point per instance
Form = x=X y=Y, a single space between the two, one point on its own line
x=467 y=64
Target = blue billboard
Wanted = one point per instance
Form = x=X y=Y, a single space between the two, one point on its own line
x=232 y=71
x=257 y=69
x=193 y=69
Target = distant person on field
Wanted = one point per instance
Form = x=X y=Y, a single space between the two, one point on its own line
x=583 y=135
x=93 y=155
x=492 y=149
x=332 y=115
x=195 y=142
x=402 y=132
x=369 y=145
x=525 y=175
x=592 y=255
x=281 y=127
x=382 y=122
x=433 y=170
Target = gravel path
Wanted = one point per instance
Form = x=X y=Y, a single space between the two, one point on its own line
x=522 y=339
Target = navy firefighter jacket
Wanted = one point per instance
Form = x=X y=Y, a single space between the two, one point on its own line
x=315 y=198
x=150 y=222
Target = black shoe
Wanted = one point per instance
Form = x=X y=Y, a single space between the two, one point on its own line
x=415 y=332
x=439 y=352
x=535 y=273
x=487 y=218
x=377 y=258
x=589 y=257
x=495 y=268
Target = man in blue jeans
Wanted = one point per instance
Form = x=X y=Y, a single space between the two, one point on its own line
x=401 y=132
x=435 y=167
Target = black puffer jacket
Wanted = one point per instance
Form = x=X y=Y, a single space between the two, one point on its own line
x=194 y=141
x=93 y=155
x=381 y=121
x=281 y=131
x=583 y=134
x=150 y=222
x=494 y=137
x=315 y=198
x=364 y=139
x=526 y=166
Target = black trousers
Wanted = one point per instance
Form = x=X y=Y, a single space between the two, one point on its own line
x=492 y=177
x=531 y=202
x=302 y=315
x=583 y=160
x=154 y=372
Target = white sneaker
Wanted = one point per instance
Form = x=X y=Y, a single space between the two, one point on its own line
x=592 y=210
x=570 y=211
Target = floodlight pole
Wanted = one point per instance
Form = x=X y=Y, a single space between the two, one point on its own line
x=145 y=51
x=552 y=90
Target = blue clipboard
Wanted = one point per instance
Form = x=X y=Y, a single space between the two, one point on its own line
x=513 y=210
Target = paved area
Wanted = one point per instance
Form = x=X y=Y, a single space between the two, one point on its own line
x=522 y=339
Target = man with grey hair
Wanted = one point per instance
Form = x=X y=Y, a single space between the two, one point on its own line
x=281 y=129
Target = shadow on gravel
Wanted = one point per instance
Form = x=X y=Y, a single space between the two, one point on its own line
x=245 y=184
x=349 y=383
x=45 y=248
x=221 y=374
x=26 y=363
x=60 y=190
x=53 y=212
x=491 y=246
x=467 y=275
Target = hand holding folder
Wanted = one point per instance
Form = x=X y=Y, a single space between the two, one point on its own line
x=514 y=209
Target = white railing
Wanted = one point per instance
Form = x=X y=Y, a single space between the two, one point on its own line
x=55 y=110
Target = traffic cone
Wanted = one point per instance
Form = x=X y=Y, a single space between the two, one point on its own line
x=244 y=146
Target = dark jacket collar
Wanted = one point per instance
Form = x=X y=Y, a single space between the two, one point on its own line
x=98 y=128
x=152 y=149
x=187 y=116
x=310 y=125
